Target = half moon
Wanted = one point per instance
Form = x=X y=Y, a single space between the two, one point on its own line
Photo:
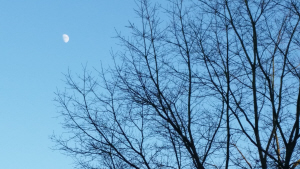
x=65 y=38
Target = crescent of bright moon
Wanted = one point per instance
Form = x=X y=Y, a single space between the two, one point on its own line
x=65 y=38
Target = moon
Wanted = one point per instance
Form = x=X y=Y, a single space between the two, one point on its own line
x=65 y=38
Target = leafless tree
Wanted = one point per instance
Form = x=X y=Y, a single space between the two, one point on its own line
x=200 y=84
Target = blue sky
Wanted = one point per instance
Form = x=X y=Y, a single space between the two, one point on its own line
x=33 y=58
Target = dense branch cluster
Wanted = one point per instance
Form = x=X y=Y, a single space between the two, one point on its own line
x=199 y=84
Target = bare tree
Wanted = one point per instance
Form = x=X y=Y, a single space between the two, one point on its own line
x=200 y=84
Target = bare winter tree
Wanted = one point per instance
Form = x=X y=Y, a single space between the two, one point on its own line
x=200 y=84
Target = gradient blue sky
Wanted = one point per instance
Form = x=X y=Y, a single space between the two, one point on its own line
x=33 y=58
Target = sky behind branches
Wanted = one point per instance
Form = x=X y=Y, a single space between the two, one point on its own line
x=33 y=59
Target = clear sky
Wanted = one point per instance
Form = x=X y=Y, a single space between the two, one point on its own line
x=33 y=57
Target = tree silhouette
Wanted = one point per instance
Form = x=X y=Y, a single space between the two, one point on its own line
x=200 y=84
